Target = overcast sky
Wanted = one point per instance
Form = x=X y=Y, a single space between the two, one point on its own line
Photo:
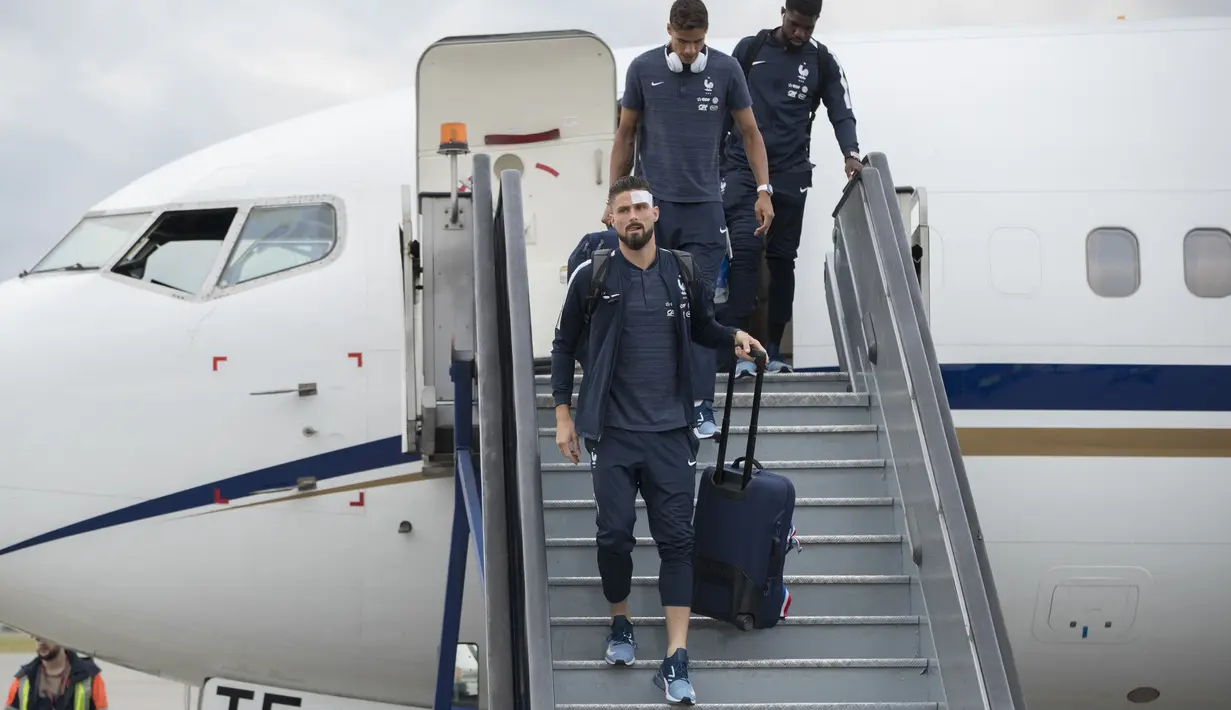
x=94 y=93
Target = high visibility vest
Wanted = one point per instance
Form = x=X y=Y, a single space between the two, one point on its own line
x=81 y=694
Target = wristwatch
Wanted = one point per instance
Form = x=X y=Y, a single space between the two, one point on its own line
x=766 y=188
x=854 y=154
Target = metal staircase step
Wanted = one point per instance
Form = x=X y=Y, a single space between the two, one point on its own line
x=821 y=554
x=771 y=681
x=843 y=595
x=774 y=382
x=813 y=516
x=812 y=478
x=777 y=408
x=839 y=441
x=815 y=636
x=853 y=637
x=757 y=706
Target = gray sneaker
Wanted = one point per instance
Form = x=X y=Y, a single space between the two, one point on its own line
x=672 y=679
x=621 y=647
x=705 y=427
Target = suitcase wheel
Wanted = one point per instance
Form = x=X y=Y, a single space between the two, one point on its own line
x=744 y=622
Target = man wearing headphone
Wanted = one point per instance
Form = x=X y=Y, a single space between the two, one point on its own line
x=674 y=111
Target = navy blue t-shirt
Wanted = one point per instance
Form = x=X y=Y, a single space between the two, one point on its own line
x=645 y=384
x=682 y=122
x=783 y=82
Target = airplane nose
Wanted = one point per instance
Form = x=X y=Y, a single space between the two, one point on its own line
x=76 y=351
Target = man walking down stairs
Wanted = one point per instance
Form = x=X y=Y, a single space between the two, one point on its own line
x=856 y=636
x=634 y=414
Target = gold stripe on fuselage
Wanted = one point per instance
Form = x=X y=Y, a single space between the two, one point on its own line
x=1077 y=441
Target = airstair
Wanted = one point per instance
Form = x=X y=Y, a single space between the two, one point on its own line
x=893 y=604
x=853 y=634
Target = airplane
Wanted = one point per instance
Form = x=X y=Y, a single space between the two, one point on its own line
x=211 y=384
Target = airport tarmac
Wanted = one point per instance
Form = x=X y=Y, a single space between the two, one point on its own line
x=126 y=689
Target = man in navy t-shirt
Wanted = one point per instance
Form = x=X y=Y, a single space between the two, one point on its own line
x=789 y=76
x=676 y=101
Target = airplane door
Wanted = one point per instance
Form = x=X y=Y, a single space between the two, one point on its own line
x=540 y=103
x=412 y=270
x=913 y=202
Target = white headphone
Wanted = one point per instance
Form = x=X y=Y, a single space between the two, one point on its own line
x=675 y=64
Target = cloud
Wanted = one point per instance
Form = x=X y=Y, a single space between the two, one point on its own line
x=95 y=93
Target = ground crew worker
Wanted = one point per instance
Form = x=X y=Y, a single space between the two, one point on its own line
x=676 y=105
x=57 y=679
x=633 y=413
x=789 y=75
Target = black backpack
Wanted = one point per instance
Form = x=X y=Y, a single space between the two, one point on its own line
x=600 y=262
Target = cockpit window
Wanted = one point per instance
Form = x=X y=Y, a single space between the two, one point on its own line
x=180 y=250
x=278 y=238
x=92 y=242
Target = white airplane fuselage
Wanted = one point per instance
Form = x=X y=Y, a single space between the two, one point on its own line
x=140 y=524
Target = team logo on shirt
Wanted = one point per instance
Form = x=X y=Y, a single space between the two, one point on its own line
x=708 y=102
x=799 y=88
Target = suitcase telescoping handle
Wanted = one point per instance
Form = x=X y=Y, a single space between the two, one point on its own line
x=761 y=358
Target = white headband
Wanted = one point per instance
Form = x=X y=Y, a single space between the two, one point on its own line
x=641 y=196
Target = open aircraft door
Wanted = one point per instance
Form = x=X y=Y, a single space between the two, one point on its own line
x=412 y=273
x=913 y=203
x=543 y=104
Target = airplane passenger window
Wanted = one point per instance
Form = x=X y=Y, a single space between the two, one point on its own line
x=1207 y=262
x=92 y=242
x=278 y=238
x=1113 y=262
x=180 y=249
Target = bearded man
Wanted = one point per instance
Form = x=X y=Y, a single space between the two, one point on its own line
x=639 y=309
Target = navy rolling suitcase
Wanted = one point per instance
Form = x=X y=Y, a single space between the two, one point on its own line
x=743 y=532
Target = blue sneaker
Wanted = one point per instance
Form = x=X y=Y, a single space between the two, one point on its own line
x=620 y=644
x=776 y=365
x=706 y=428
x=745 y=369
x=672 y=679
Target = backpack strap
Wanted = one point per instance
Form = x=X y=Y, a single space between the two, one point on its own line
x=688 y=266
x=600 y=262
x=753 y=51
x=820 y=86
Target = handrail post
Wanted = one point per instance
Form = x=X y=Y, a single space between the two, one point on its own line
x=499 y=684
x=529 y=493
x=879 y=304
x=467 y=519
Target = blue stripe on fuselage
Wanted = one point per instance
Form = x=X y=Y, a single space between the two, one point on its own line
x=1121 y=388
x=334 y=464
x=1008 y=386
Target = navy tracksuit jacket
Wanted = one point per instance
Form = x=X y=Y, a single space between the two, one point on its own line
x=694 y=320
